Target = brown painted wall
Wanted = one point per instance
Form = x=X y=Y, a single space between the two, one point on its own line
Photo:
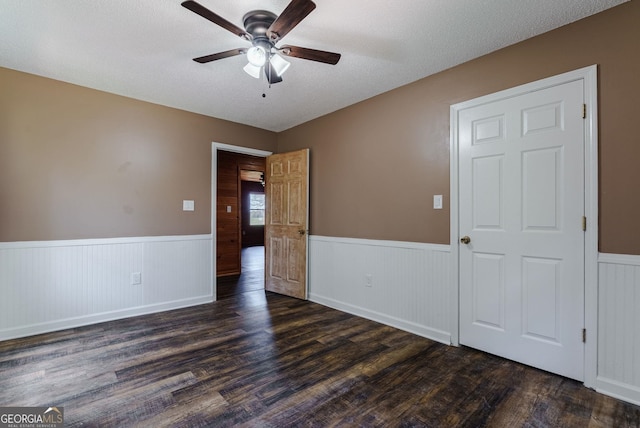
x=79 y=163
x=375 y=166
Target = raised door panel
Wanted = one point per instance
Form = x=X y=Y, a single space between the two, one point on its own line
x=276 y=203
x=489 y=290
x=488 y=193
x=542 y=190
x=541 y=304
x=297 y=213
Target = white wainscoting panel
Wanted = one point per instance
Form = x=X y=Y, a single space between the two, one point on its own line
x=52 y=285
x=176 y=271
x=619 y=326
x=410 y=282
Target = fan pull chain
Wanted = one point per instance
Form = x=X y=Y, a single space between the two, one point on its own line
x=264 y=95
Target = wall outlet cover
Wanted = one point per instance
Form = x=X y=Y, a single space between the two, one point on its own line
x=136 y=278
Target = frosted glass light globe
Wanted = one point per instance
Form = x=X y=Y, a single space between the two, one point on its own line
x=257 y=56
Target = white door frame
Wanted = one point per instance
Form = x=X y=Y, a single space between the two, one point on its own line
x=214 y=196
x=589 y=75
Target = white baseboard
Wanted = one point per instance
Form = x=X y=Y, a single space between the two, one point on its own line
x=618 y=390
x=420 y=330
x=63 y=324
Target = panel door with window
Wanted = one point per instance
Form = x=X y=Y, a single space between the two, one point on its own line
x=253 y=205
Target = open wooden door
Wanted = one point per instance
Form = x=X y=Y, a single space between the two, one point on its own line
x=286 y=222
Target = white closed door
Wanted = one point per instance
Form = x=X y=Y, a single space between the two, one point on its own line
x=521 y=205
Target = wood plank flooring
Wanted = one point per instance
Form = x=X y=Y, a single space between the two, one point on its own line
x=261 y=359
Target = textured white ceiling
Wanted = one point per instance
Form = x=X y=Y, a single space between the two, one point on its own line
x=144 y=48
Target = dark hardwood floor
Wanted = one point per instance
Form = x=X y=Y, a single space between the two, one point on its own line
x=262 y=359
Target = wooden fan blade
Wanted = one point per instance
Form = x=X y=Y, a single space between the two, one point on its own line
x=272 y=77
x=216 y=19
x=311 y=54
x=220 y=55
x=291 y=16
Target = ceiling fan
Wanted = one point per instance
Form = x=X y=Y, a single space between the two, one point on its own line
x=264 y=30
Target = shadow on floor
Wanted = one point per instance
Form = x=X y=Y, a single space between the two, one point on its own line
x=251 y=278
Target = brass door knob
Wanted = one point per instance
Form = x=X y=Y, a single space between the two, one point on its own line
x=465 y=239
x=301 y=231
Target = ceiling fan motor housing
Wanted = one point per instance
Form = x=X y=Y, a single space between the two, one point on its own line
x=257 y=22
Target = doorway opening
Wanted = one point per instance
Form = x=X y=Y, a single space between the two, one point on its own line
x=251 y=277
x=238 y=220
x=252 y=214
x=286 y=219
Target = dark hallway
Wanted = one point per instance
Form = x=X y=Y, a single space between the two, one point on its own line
x=251 y=278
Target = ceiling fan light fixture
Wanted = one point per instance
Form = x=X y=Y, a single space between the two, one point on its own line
x=265 y=30
x=279 y=64
x=257 y=56
x=252 y=70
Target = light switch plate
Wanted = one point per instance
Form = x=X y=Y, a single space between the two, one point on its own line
x=437 y=202
x=188 y=205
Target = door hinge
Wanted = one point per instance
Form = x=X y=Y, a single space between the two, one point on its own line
x=584 y=335
x=584 y=111
x=584 y=223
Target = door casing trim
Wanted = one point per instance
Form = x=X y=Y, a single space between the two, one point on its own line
x=214 y=196
x=589 y=75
